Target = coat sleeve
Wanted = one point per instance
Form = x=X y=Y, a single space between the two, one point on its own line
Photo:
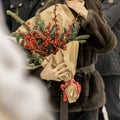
x=102 y=39
x=36 y=72
x=111 y=12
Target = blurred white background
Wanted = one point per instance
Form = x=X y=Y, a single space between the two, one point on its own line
x=22 y=97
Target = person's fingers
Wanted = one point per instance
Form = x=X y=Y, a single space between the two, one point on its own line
x=58 y=80
x=60 y=66
x=65 y=69
x=75 y=4
x=62 y=74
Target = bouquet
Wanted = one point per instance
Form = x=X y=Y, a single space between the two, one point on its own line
x=52 y=32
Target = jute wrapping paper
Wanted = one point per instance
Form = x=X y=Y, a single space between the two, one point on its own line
x=65 y=18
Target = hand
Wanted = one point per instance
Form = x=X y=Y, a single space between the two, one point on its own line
x=50 y=73
x=78 y=7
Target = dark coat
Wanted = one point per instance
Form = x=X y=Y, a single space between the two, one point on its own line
x=109 y=64
x=24 y=8
x=101 y=41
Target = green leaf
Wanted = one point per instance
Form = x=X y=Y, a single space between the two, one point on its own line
x=37 y=18
x=17 y=18
x=82 y=41
x=14 y=34
x=53 y=30
x=82 y=37
x=72 y=33
x=42 y=26
x=17 y=38
x=65 y=30
x=76 y=28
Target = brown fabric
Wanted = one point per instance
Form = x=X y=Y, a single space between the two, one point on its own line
x=63 y=109
x=101 y=35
